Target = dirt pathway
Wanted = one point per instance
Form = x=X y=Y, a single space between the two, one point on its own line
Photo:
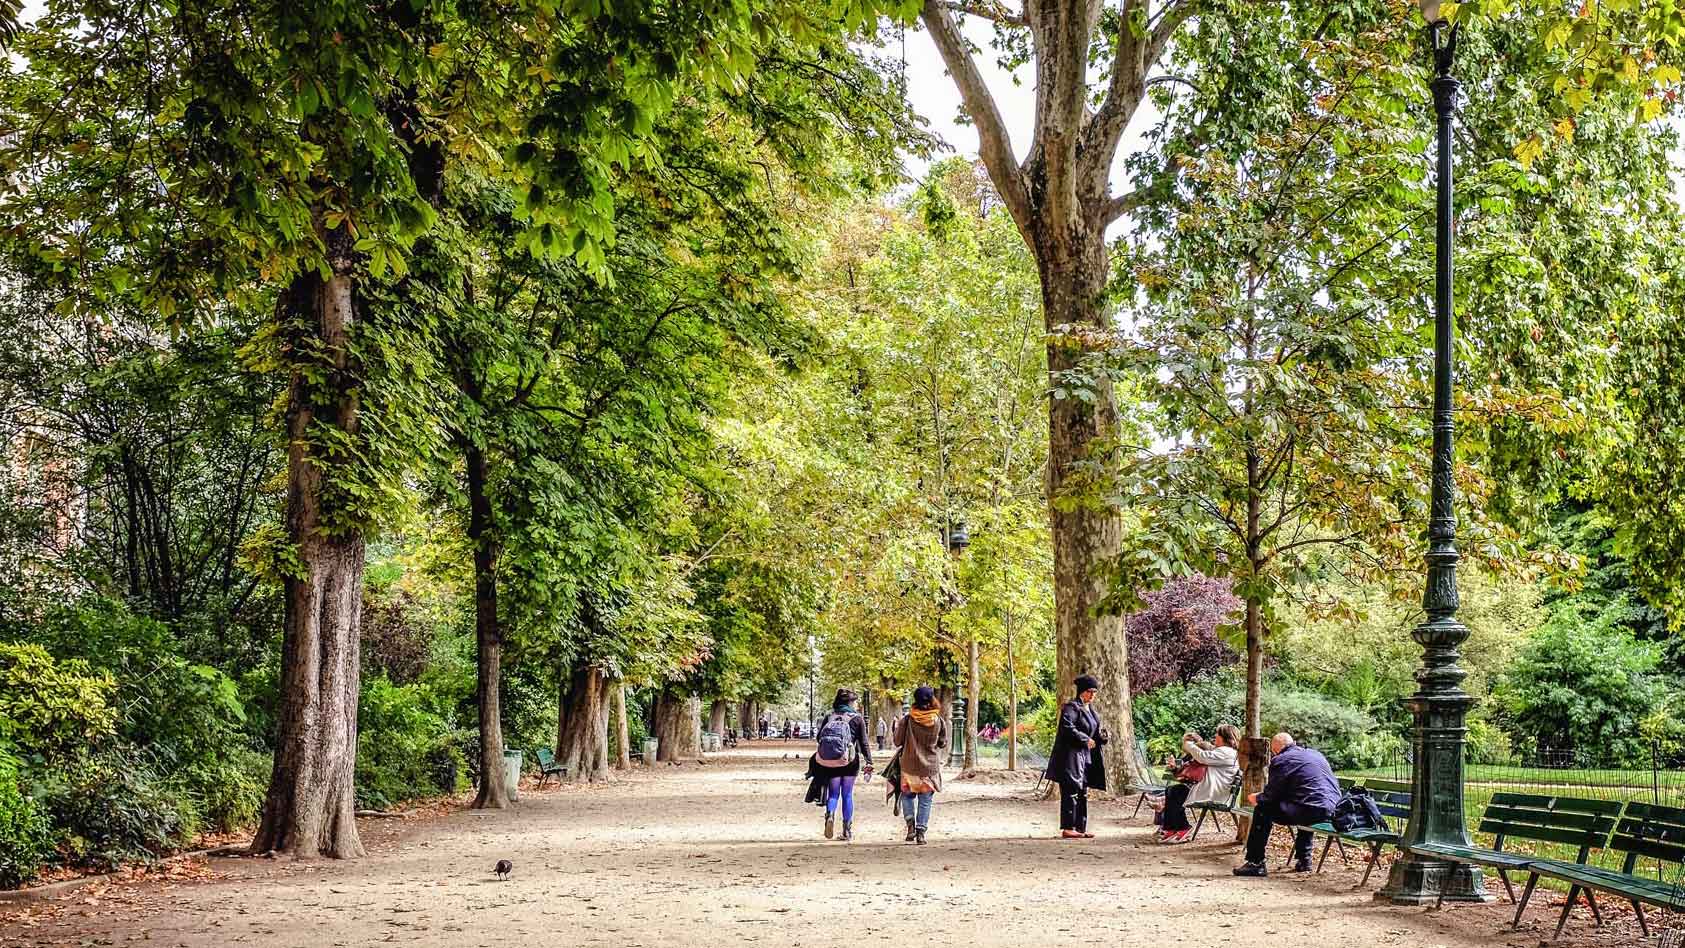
x=727 y=854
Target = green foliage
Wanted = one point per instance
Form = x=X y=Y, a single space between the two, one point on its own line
x=118 y=806
x=27 y=837
x=50 y=708
x=1583 y=682
x=406 y=745
x=1348 y=736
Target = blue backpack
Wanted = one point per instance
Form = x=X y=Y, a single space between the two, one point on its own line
x=836 y=736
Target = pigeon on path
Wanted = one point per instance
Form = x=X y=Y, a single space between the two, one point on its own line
x=502 y=869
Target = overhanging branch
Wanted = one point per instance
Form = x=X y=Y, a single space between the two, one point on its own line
x=994 y=143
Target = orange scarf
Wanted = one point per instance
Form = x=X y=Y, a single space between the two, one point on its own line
x=925 y=716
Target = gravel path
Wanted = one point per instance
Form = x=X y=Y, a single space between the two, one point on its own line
x=727 y=854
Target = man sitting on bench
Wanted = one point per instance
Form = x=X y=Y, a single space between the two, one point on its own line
x=1302 y=791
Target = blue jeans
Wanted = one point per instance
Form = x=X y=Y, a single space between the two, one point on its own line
x=916 y=807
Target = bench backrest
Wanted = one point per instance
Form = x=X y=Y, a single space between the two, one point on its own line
x=1645 y=829
x=545 y=757
x=1567 y=820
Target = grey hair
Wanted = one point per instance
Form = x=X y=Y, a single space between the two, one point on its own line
x=1285 y=738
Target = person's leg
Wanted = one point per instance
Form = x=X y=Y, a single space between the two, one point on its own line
x=1264 y=816
x=926 y=800
x=1302 y=847
x=1082 y=809
x=1067 y=805
x=847 y=798
x=1175 y=808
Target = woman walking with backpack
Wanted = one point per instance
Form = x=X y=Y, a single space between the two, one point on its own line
x=842 y=746
x=922 y=736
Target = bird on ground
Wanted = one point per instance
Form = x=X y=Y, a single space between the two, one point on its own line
x=502 y=869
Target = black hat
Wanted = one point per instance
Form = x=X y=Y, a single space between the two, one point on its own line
x=1087 y=683
x=924 y=697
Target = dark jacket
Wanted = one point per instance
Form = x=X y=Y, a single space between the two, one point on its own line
x=1301 y=781
x=1071 y=761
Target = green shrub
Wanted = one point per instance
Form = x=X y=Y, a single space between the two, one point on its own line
x=115 y=807
x=229 y=789
x=26 y=837
x=402 y=736
x=50 y=708
x=1347 y=735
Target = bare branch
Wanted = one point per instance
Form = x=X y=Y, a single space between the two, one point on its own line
x=1123 y=204
x=992 y=10
x=1135 y=58
x=994 y=143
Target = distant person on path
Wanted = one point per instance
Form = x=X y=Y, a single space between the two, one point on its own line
x=1075 y=763
x=883 y=732
x=1302 y=790
x=922 y=735
x=1222 y=768
x=842 y=746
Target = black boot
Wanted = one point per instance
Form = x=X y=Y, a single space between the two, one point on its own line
x=830 y=824
x=1251 y=869
x=910 y=830
x=918 y=837
x=1302 y=863
x=848 y=830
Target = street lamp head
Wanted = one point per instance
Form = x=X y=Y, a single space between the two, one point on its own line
x=958 y=538
x=1430 y=11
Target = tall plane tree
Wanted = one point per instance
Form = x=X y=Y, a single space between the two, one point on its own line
x=1061 y=198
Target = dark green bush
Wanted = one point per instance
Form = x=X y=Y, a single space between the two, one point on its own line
x=26 y=837
x=116 y=807
x=229 y=789
x=404 y=741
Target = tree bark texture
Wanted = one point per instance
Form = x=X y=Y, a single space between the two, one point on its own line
x=310 y=806
x=678 y=726
x=582 y=745
x=717 y=716
x=746 y=718
x=622 y=730
x=973 y=699
x=488 y=636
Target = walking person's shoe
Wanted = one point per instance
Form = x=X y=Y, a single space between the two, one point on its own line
x=918 y=836
x=1251 y=869
x=848 y=830
x=1302 y=865
x=910 y=829
x=1069 y=834
x=830 y=825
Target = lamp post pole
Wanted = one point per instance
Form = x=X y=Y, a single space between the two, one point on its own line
x=956 y=538
x=1439 y=705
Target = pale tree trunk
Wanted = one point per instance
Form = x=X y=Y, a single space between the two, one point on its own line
x=889 y=705
x=746 y=719
x=1011 y=701
x=582 y=744
x=973 y=698
x=717 y=716
x=488 y=636
x=678 y=726
x=310 y=807
x=622 y=730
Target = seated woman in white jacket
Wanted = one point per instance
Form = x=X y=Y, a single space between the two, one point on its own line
x=1222 y=769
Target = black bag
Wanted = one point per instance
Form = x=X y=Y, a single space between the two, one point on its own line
x=1357 y=810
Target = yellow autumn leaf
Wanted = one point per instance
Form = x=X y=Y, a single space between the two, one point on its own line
x=1666 y=75
x=1565 y=129
x=1649 y=109
x=1529 y=151
x=1629 y=69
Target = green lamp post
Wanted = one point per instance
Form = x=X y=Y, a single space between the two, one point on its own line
x=1439 y=705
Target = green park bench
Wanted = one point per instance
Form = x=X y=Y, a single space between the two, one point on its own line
x=1215 y=809
x=1147 y=789
x=547 y=767
x=1644 y=830
x=1509 y=817
x=1391 y=798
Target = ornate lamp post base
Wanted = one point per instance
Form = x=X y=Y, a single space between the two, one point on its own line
x=1415 y=881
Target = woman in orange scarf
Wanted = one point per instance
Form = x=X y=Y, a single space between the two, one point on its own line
x=923 y=738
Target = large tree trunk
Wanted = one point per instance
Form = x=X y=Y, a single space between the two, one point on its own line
x=582 y=743
x=622 y=731
x=678 y=726
x=1087 y=535
x=716 y=716
x=310 y=807
x=746 y=718
x=488 y=637
x=974 y=699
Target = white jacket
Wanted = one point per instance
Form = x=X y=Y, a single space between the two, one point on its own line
x=1222 y=769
